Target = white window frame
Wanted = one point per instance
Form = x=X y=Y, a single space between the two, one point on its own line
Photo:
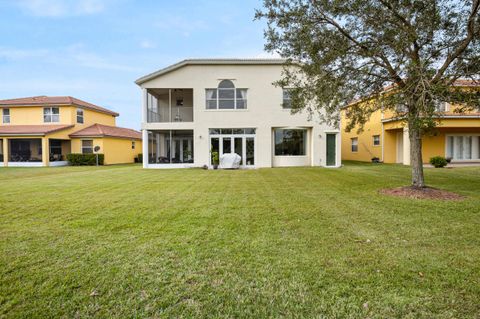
x=6 y=117
x=354 y=144
x=373 y=140
x=82 y=116
x=288 y=99
x=51 y=115
x=235 y=98
x=439 y=104
x=83 y=147
x=231 y=136
x=133 y=145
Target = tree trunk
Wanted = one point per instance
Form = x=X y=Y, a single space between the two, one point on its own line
x=416 y=160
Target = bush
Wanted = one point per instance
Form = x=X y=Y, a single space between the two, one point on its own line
x=139 y=158
x=438 y=161
x=215 y=158
x=76 y=159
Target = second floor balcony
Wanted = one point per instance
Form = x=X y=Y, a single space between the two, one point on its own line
x=169 y=105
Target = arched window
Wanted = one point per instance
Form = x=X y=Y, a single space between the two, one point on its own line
x=226 y=84
x=226 y=97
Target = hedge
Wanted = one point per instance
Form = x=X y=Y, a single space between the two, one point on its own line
x=77 y=159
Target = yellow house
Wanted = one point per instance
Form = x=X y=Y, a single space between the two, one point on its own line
x=385 y=137
x=42 y=130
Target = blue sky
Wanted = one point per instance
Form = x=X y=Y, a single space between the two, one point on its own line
x=95 y=49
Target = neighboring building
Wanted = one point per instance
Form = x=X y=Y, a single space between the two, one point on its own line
x=42 y=130
x=196 y=107
x=386 y=137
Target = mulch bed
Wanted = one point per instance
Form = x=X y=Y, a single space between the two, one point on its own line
x=421 y=193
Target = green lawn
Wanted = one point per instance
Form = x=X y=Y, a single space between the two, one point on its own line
x=296 y=242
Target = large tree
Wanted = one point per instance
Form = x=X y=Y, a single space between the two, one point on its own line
x=347 y=50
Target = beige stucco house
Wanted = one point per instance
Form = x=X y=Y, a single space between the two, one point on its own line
x=198 y=107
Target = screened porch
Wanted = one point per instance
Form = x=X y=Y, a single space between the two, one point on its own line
x=169 y=105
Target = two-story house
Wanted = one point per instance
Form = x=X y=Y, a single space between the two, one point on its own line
x=385 y=135
x=42 y=130
x=202 y=106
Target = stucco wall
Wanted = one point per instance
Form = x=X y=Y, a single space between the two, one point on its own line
x=390 y=145
x=116 y=150
x=264 y=110
x=91 y=117
x=366 y=149
x=33 y=115
x=77 y=144
x=119 y=151
x=68 y=116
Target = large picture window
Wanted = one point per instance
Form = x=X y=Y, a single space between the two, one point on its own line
x=51 y=115
x=290 y=142
x=226 y=97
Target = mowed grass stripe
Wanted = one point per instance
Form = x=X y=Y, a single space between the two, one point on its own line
x=293 y=242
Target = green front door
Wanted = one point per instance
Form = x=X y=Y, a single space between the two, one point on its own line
x=331 y=149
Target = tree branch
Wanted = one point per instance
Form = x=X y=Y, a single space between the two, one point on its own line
x=375 y=56
x=463 y=44
x=409 y=28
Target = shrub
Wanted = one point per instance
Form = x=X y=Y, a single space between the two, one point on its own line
x=139 y=158
x=215 y=158
x=77 y=159
x=438 y=161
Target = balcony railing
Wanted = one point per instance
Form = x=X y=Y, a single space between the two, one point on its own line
x=153 y=117
x=180 y=114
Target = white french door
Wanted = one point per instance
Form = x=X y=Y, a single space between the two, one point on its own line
x=243 y=145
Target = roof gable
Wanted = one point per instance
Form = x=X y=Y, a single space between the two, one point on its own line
x=100 y=130
x=183 y=63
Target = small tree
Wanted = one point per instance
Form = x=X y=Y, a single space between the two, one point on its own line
x=347 y=50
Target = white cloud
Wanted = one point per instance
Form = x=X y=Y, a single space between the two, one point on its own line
x=62 y=8
x=180 y=25
x=92 y=60
x=20 y=54
x=147 y=44
x=72 y=55
x=90 y=6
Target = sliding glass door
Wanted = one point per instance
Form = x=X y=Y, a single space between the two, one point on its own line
x=463 y=147
x=170 y=147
